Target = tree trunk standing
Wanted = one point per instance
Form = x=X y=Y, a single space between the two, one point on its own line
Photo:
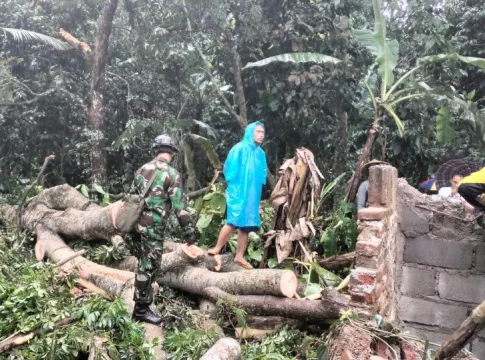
x=240 y=97
x=98 y=87
x=339 y=165
x=372 y=135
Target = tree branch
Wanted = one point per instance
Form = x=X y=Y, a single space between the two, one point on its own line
x=75 y=43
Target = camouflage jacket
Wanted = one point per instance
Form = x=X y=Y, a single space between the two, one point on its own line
x=164 y=194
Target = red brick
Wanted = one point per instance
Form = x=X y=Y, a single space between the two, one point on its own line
x=374 y=213
x=362 y=276
x=362 y=294
x=365 y=248
x=408 y=351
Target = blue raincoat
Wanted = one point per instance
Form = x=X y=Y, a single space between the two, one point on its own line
x=245 y=173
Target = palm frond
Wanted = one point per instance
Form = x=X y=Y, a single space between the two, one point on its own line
x=24 y=35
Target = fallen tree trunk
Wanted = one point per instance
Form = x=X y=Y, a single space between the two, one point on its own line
x=305 y=310
x=224 y=349
x=255 y=282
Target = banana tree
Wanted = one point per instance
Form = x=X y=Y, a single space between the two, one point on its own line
x=393 y=92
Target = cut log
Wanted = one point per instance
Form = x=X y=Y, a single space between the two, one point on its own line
x=176 y=258
x=337 y=261
x=308 y=311
x=254 y=282
x=224 y=349
x=465 y=333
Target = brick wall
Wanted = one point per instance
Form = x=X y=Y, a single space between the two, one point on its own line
x=372 y=283
x=417 y=261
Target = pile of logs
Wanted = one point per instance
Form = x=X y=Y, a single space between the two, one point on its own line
x=61 y=213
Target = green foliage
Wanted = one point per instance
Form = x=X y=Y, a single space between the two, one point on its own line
x=35 y=295
x=444 y=129
x=340 y=231
x=189 y=344
x=212 y=215
x=286 y=344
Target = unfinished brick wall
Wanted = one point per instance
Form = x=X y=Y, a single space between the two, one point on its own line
x=417 y=262
x=371 y=281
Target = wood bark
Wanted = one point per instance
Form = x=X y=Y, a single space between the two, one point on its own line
x=255 y=282
x=98 y=87
x=372 y=135
x=224 y=349
x=337 y=261
x=310 y=311
x=339 y=165
x=467 y=331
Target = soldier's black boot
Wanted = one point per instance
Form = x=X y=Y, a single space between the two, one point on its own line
x=143 y=299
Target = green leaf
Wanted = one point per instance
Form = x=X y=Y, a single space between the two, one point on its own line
x=444 y=129
x=325 y=274
x=479 y=62
x=256 y=255
x=208 y=148
x=386 y=51
x=272 y=263
x=204 y=221
x=294 y=58
x=312 y=289
x=99 y=189
x=208 y=196
x=397 y=120
x=23 y=35
x=84 y=190
x=329 y=240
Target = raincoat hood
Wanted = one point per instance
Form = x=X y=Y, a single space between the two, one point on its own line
x=249 y=133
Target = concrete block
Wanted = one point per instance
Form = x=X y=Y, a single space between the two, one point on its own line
x=434 y=252
x=431 y=313
x=478 y=348
x=480 y=259
x=470 y=289
x=412 y=221
x=418 y=282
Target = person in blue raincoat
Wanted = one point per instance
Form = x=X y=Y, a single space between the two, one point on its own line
x=245 y=173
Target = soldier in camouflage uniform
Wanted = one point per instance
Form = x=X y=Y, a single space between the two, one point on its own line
x=146 y=243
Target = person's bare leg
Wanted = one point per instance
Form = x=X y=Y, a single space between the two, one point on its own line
x=242 y=241
x=222 y=240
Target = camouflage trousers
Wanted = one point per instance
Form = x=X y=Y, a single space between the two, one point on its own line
x=148 y=250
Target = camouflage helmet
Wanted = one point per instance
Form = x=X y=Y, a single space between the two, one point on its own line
x=167 y=142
